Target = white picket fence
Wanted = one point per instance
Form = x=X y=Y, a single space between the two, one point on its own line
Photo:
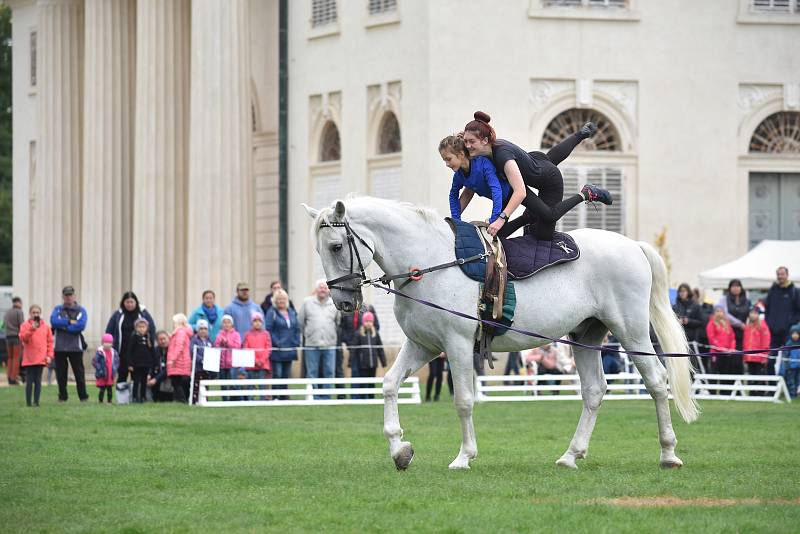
x=300 y=391
x=627 y=386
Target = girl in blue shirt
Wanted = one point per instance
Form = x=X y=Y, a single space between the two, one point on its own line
x=475 y=175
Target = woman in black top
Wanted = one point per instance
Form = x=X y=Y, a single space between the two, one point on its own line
x=525 y=170
x=737 y=306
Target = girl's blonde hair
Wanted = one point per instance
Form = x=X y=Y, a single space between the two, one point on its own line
x=180 y=319
x=455 y=144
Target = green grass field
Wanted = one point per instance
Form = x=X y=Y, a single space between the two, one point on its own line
x=90 y=468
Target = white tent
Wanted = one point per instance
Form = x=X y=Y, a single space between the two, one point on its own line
x=756 y=269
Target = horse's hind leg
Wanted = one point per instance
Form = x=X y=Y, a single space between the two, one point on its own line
x=593 y=387
x=459 y=355
x=655 y=380
x=410 y=359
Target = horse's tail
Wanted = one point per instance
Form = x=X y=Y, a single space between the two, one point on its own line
x=671 y=336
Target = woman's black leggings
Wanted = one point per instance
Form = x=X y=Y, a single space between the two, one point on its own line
x=33 y=383
x=546 y=208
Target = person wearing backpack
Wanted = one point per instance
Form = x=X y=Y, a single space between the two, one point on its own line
x=106 y=367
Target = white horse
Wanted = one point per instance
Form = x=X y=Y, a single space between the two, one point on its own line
x=617 y=284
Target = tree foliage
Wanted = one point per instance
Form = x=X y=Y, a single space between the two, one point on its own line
x=5 y=146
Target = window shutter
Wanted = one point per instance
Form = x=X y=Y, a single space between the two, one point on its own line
x=376 y=7
x=326 y=189
x=386 y=183
x=571 y=219
x=776 y=6
x=614 y=219
x=561 y=3
x=323 y=12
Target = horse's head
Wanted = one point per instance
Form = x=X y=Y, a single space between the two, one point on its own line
x=344 y=253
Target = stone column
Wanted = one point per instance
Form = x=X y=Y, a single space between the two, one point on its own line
x=109 y=83
x=56 y=221
x=220 y=222
x=162 y=136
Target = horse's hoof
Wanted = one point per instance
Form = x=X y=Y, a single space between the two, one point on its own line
x=566 y=462
x=674 y=463
x=461 y=462
x=404 y=456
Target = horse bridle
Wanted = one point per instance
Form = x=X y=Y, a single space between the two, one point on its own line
x=361 y=275
x=413 y=275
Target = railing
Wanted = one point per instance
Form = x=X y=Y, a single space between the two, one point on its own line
x=301 y=392
x=628 y=386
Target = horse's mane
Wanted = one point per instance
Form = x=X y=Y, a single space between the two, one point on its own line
x=356 y=202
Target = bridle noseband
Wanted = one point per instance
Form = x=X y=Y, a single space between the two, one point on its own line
x=361 y=275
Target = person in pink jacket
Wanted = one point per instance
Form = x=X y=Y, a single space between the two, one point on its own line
x=722 y=339
x=179 y=361
x=37 y=352
x=106 y=367
x=756 y=336
x=228 y=338
x=260 y=341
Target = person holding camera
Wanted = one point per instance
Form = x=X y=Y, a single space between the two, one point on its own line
x=37 y=352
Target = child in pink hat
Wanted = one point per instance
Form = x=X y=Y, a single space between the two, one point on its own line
x=106 y=366
x=258 y=339
x=367 y=352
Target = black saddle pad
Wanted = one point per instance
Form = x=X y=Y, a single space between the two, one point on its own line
x=526 y=255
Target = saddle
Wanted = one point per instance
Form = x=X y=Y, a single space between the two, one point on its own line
x=494 y=287
x=471 y=239
x=505 y=260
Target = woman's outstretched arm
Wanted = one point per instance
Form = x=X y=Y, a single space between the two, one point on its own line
x=519 y=188
x=466 y=198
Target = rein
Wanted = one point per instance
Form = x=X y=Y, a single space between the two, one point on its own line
x=415 y=274
x=566 y=341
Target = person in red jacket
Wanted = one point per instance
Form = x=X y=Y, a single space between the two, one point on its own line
x=258 y=340
x=179 y=360
x=756 y=336
x=722 y=339
x=37 y=352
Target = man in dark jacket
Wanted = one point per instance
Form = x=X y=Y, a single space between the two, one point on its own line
x=782 y=311
x=68 y=321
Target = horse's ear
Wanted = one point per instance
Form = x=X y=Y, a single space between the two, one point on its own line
x=339 y=210
x=311 y=211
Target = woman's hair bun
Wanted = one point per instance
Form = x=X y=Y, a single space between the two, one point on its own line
x=481 y=116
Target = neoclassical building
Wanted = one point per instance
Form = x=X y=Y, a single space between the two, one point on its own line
x=146 y=132
x=145 y=151
x=698 y=105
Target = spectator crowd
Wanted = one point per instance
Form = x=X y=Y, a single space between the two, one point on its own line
x=141 y=363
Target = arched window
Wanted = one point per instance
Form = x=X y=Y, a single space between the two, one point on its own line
x=389 y=135
x=330 y=148
x=777 y=134
x=570 y=121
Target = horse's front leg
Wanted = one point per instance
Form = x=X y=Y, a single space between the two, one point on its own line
x=410 y=359
x=460 y=359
